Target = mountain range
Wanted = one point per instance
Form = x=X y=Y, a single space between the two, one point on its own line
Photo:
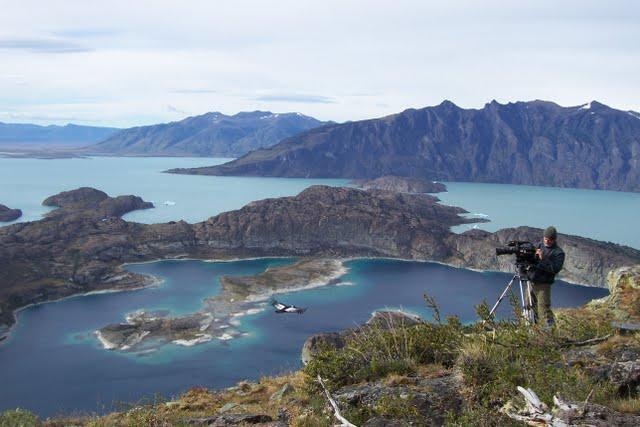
x=534 y=143
x=18 y=133
x=211 y=134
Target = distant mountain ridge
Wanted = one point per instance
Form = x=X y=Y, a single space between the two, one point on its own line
x=534 y=143
x=19 y=133
x=210 y=134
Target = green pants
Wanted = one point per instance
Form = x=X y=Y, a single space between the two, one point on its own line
x=541 y=303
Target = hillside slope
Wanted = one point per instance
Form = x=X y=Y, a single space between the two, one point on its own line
x=211 y=134
x=532 y=143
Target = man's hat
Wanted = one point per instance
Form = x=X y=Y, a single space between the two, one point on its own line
x=550 y=232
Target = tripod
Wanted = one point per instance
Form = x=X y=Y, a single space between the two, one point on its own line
x=525 y=286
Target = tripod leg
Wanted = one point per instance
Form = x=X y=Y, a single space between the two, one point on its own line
x=527 y=302
x=533 y=302
x=504 y=293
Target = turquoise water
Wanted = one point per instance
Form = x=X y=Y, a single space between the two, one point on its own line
x=602 y=215
x=54 y=365
x=25 y=183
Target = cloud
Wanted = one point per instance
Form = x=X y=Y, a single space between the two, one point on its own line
x=194 y=91
x=172 y=109
x=83 y=33
x=297 y=98
x=43 y=45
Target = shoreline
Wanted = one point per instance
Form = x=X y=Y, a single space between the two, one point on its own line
x=156 y=281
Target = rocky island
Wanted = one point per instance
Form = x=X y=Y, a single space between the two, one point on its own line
x=7 y=214
x=81 y=246
x=240 y=295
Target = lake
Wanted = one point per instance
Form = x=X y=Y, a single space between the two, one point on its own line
x=52 y=364
x=602 y=215
x=25 y=183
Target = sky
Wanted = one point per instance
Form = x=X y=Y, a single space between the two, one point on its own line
x=128 y=63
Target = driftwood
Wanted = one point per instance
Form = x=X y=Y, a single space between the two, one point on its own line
x=566 y=414
x=336 y=411
x=586 y=342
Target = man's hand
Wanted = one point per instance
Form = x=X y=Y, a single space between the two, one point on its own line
x=539 y=254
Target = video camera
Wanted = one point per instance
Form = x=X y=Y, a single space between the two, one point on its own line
x=524 y=251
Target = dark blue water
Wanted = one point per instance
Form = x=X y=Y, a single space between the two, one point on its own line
x=52 y=364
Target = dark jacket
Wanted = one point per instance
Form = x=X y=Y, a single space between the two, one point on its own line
x=545 y=270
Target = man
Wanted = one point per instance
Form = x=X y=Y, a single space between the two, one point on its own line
x=550 y=260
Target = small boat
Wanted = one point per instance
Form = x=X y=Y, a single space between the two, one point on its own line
x=284 y=308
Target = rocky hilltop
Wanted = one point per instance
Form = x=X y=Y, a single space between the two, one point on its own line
x=81 y=246
x=534 y=143
x=211 y=134
x=7 y=214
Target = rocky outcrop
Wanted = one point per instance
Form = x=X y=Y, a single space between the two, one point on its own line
x=623 y=302
x=401 y=185
x=426 y=400
x=381 y=320
x=8 y=214
x=80 y=246
x=533 y=143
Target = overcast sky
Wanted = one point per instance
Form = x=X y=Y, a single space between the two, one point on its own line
x=133 y=62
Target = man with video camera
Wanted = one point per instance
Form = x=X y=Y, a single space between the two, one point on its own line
x=550 y=259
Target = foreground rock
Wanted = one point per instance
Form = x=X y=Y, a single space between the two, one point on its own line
x=429 y=399
x=81 y=246
x=401 y=185
x=8 y=214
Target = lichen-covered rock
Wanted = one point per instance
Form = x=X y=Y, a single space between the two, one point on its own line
x=316 y=342
x=426 y=399
x=284 y=391
x=623 y=302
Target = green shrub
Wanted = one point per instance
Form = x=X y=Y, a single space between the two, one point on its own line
x=18 y=418
x=374 y=352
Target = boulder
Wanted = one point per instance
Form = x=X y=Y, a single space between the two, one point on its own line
x=337 y=340
x=314 y=343
x=428 y=399
x=286 y=390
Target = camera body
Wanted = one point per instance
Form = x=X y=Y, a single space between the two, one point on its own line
x=524 y=251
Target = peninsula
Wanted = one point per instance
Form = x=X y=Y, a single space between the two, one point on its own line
x=81 y=246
